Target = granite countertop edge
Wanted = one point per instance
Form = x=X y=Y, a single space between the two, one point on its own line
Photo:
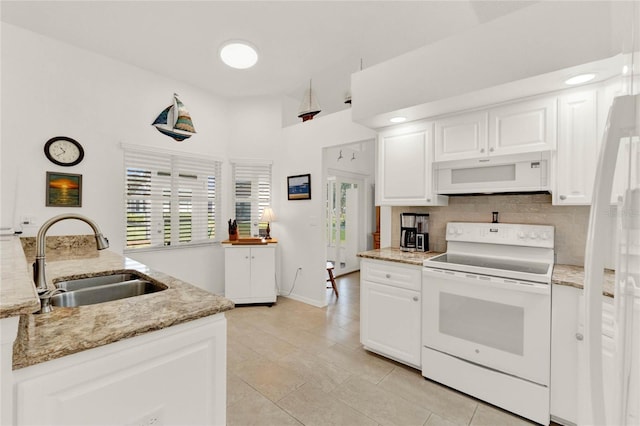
x=565 y=275
x=65 y=331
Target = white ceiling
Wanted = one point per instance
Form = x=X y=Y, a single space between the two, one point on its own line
x=296 y=40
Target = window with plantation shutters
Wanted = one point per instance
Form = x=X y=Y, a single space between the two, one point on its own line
x=171 y=200
x=252 y=193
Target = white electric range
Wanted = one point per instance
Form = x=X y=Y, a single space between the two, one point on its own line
x=487 y=315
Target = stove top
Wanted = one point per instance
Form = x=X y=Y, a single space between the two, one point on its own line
x=512 y=251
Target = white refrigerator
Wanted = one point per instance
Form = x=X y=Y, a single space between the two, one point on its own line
x=620 y=154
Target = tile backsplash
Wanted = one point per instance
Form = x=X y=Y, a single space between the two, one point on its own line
x=570 y=222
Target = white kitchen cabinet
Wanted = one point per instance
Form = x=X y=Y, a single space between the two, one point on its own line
x=405 y=174
x=390 y=310
x=515 y=128
x=520 y=127
x=461 y=136
x=249 y=273
x=172 y=376
x=568 y=387
x=577 y=153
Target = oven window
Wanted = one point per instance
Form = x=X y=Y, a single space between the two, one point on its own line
x=502 y=173
x=491 y=324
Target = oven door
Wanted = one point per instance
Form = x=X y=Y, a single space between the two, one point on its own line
x=494 y=322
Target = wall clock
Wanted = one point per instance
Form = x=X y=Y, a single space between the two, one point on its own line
x=63 y=151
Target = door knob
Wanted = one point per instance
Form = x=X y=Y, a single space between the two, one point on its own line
x=415 y=298
x=388 y=275
x=579 y=336
x=563 y=197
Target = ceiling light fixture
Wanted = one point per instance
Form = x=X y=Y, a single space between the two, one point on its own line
x=398 y=119
x=579 y=79
x=238 y=54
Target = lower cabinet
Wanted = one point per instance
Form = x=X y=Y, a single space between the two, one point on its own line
x=568 y=366
x=172 y=376
x=250 y=273
x=390 y=310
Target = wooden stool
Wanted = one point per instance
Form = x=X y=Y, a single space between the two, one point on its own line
x=331 y=278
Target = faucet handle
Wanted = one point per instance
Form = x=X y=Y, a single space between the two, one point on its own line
x=45 y=299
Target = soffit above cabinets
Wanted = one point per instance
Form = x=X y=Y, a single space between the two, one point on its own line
x=530 y=52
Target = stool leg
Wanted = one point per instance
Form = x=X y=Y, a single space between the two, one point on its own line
x=333 y=282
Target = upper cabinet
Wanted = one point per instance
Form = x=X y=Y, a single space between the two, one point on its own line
x=523 y=127
x=405 y=174
x=514 y=128
x=461 y=136
x=577 y=153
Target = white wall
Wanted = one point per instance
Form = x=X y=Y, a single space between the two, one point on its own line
x=53 y=89
x=303 y=223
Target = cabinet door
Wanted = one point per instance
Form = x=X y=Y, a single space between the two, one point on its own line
x=390 y=322
x=523 y=127
x=577 y=149
x=564 y=353
x=237 y=273
x=461 y=136
x=404 y=167
x=263 y=269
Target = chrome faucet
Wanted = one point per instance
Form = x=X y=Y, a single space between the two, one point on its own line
x=38 y=266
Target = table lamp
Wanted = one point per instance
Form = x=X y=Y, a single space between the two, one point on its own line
x=268 y=216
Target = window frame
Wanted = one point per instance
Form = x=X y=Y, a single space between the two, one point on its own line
x=256 y=170
x=189 y=185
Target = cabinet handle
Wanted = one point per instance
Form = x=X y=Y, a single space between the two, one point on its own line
x=253 y=257
x=388 y=276
x=563 y=197
x=579 y=336
x=415 y=298
x=491 y=149
x=482 y=150
x=246 y=257
x=428 y=200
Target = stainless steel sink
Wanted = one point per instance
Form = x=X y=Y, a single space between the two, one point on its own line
x=80 y=283
x=103 y=288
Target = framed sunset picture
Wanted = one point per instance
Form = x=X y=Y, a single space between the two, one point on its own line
x=64 y=190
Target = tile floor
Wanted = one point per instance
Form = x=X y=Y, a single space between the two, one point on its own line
x=295 y=364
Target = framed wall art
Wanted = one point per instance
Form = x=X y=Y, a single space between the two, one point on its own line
x=299 y=187
x=64 y=190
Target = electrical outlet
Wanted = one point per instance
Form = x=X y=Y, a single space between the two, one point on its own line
x=152 y=418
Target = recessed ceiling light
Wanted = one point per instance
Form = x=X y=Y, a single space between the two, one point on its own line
x=238 y=54
x=398 y=119
x=579 y=79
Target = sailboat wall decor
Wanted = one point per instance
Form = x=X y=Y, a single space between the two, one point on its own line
x=309 y=106
x=175 y=121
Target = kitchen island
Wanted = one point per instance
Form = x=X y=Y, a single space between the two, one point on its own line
x=156 y=356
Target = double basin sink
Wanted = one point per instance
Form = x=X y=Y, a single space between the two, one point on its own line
x=103 y=288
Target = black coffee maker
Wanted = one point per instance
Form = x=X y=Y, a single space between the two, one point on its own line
x=408 y=231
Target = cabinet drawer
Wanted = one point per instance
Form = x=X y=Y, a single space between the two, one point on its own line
x=391 y=273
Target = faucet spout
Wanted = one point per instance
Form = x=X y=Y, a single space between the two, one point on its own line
x=38 y=266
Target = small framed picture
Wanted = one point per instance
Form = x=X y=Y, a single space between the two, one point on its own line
x=299 y=187
x=64 y=190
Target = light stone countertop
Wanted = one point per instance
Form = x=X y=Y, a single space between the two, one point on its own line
x=43 y=337
x=394 y=254
x=16 y=297
x=573 y=276
x=568 y=275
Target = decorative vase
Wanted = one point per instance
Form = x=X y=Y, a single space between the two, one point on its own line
x=233 y=237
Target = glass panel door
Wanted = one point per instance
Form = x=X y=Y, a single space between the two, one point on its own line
x=344 y=225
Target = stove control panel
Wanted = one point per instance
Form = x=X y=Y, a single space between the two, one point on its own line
x=502 y=233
